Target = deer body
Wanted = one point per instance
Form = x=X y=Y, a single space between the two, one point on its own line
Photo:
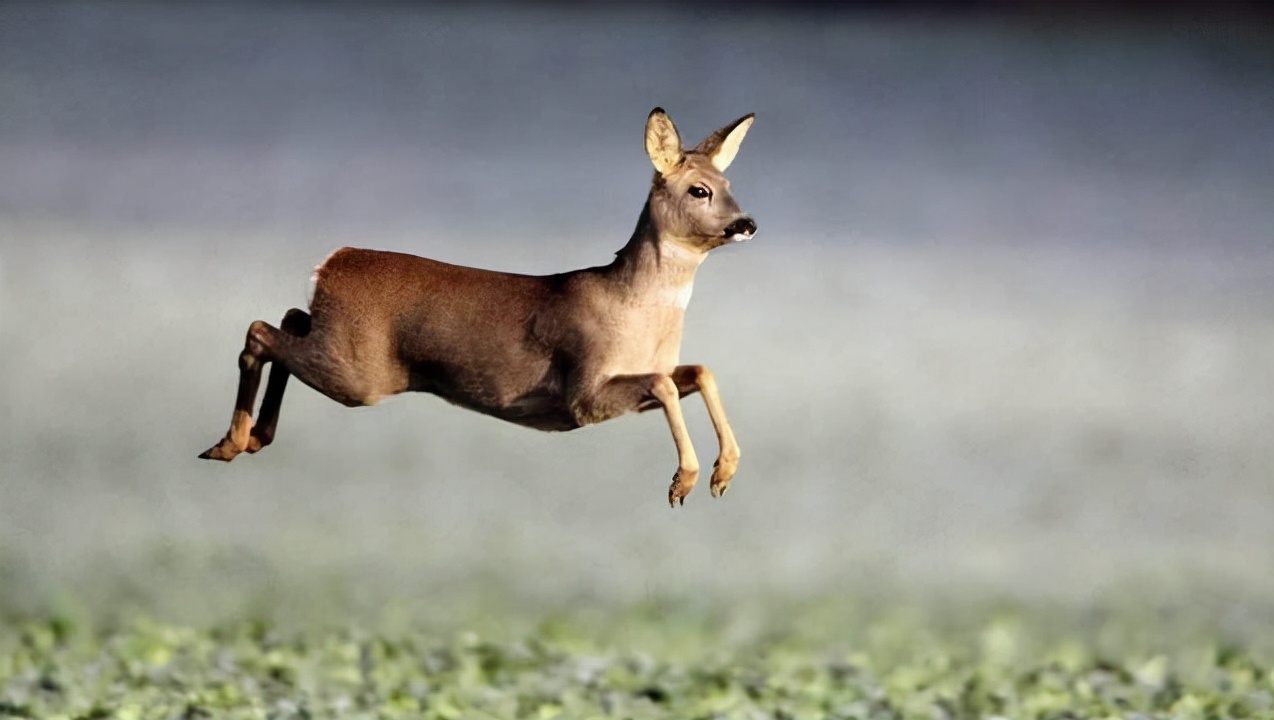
x=553 y=352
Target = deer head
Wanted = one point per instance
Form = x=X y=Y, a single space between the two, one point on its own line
x=690 y=201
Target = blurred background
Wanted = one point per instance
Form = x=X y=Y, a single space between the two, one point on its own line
x=1007 y=328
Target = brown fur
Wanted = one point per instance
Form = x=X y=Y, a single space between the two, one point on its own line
x=552 y=352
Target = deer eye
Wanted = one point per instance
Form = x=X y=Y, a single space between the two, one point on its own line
x=699 y=191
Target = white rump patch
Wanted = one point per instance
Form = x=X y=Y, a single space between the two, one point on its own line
x=314 y=277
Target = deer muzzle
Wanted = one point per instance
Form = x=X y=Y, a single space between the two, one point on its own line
x=742 y=229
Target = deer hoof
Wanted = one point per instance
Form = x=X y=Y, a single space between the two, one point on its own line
x=257 y=441
x=682 y=482
x=224 y=450
x=722 y=474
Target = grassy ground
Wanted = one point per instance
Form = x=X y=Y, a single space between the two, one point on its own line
x=830 y=657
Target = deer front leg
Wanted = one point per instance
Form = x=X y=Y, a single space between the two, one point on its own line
x=690 y=378
x=665 y=391
x=625 y=393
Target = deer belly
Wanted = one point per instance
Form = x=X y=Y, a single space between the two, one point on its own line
x=538 y=411
x=541 y=412
x=539 y=404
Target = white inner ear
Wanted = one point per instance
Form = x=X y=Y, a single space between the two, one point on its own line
x=663 y=143
x=729 y=147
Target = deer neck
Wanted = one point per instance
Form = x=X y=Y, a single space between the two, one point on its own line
x=655 y=269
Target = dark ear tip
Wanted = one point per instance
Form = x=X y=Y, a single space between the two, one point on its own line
x=656 y=111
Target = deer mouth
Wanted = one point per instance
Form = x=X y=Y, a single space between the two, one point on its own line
x=740 y=230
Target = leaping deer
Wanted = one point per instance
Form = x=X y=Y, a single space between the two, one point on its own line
x=553 y=352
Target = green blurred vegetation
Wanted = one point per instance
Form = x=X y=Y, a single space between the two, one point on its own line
x=297 y=647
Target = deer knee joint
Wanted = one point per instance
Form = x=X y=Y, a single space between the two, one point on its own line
x=257 y=342
x=258 y=331
x=688 y=374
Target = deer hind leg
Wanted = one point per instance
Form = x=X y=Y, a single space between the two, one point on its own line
x=638 y=392
x=295 y=322
x=692 y=378
x=292 y=351
x=260 y=347
x=236 y=440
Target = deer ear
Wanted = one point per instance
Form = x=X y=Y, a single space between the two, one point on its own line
x=663 y=144
x=722 y=145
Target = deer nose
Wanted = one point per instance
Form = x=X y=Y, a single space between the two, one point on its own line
x=741 y=229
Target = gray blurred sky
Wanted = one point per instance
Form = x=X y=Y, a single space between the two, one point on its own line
x=1057 y=126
